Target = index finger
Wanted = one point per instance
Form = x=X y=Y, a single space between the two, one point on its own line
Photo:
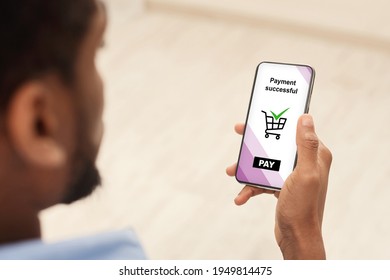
x=239 y=128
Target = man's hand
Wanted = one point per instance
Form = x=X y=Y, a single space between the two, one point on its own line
x=301 y=201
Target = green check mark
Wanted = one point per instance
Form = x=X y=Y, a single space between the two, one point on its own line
x=278 y=116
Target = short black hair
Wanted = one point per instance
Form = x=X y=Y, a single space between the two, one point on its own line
x=38 y=37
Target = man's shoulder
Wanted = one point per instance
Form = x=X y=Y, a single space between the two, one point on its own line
x=112 y=245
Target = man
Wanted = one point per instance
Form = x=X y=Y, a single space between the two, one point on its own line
x=51 y=102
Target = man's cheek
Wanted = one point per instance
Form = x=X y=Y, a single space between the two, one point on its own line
x=98 y=137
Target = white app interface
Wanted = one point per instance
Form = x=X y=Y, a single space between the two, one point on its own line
x=279 y=98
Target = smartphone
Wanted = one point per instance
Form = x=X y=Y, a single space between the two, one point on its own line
x=280 y=95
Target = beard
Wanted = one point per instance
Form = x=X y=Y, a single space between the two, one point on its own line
x=86 y=180
x=84 y=176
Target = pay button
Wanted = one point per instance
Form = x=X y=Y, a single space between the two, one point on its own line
x=266 y=163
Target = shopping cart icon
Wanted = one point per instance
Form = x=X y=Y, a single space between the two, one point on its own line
x=273 y=125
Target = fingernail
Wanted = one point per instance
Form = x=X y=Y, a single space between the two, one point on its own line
x=307 y=121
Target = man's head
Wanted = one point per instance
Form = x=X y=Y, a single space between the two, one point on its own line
x=51 y=101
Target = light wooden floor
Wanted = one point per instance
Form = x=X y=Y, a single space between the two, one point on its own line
x=178 y=77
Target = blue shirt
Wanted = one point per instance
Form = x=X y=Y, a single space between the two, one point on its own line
x=117 y=245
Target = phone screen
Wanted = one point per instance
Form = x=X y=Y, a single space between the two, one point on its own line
x=280 y=95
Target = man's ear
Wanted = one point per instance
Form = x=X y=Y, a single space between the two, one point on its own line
x=31 y=122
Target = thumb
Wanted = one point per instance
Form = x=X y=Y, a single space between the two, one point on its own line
x=307 y=143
